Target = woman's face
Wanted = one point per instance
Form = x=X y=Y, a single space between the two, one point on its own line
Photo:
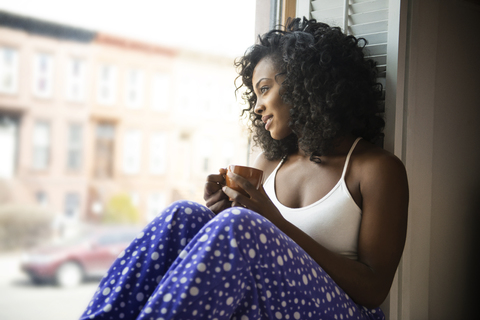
x=275 y=113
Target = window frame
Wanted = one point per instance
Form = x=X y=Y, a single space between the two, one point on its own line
x=46 y=75
x=40 y=147
x=75 y=147
x=79 y=81
x=109 y=83
x=5 y=70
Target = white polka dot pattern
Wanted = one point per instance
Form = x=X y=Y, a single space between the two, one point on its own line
x=190 y=264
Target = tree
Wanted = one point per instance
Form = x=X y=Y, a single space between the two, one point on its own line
x=120 y=210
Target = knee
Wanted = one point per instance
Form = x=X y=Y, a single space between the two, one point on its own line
x=239 y=216
x=185 y=210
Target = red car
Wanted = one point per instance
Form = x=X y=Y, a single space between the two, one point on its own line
x=70 y=262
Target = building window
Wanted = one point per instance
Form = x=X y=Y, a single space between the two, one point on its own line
x=41 y=145
x=160 y=91
x=42 y=198
x=72 y=205
x=134 y=91
x=158 y=153
x=8 y=145
x=156 y=203
x=43 y=75
x=74 y=147
x=76 y=72
x=107 y=77
x=8 y=70
x=188 y=102
x=104 y=150
x=132 y=147
x=206 y=153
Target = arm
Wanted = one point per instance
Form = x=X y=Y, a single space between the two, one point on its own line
x=384 y=190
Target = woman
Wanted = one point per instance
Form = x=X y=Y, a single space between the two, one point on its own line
x=323 y=237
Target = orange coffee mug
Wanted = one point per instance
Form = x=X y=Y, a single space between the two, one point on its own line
x=253 y=175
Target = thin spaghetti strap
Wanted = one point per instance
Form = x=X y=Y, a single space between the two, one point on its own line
x=347 y=160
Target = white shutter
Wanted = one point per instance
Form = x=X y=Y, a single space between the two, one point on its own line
x=369 y=19
x=331 y=12
x=362 y=18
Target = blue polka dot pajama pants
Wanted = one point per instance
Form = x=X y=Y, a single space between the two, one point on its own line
x=189 y=263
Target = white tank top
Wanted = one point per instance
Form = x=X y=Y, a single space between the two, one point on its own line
x=333 y=221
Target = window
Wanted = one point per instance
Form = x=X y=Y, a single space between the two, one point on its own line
x=188 y=102
x=156 y=203
x=134 y=89
x=104 y=150
x=8 y=70
x=8 y=145
x=42 y=198
x=158 y=153
x=74 y=147
x=206 y=153
x=160 y=91
x=43 y=75
x=72 y=205
x=107 y=77
x=132 y=147
x=41 y=145
x=76 y=80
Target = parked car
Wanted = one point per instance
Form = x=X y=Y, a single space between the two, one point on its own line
x=69 y=262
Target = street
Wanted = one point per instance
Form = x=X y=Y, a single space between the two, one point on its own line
x=22 y=300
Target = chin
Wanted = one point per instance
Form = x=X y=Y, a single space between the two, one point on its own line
x=280 y=136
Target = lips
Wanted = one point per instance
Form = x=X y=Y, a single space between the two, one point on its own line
x=267 y=119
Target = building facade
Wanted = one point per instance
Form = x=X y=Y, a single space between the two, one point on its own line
x=86 y=117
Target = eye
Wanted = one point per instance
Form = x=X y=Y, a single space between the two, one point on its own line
x=263 y=89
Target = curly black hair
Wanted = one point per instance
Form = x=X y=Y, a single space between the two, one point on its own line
x=329 y=83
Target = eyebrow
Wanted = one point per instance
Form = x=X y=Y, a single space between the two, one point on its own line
x=258 y=82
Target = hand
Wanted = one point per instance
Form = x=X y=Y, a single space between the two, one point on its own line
x=215 y=199
x=258 y=200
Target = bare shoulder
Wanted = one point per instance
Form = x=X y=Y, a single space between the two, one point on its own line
x=262 y=163
x=380 y=173
x=373 y=161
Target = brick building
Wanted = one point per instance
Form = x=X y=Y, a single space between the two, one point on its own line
x=85 y=116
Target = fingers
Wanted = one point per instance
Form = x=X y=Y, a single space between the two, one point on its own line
x=220 y=206
x=242 y=182
x=214 y=183
x=216 y=178
x=237 y=199
x=209 y=189
x=215 y=197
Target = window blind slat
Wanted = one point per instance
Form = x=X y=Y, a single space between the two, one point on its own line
x=328 y=14
x=366 y=28
x=332 y=21
x=365 y=17
x=326 y=4
x=368 y=6
x=376 y=49
x=375 y=38
x=381 y=59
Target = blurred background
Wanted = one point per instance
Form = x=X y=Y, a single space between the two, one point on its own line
x=109 y=111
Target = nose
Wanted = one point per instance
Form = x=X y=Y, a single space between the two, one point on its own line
x=259 y=107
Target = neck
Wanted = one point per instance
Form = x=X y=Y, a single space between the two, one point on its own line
x=341 y=146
